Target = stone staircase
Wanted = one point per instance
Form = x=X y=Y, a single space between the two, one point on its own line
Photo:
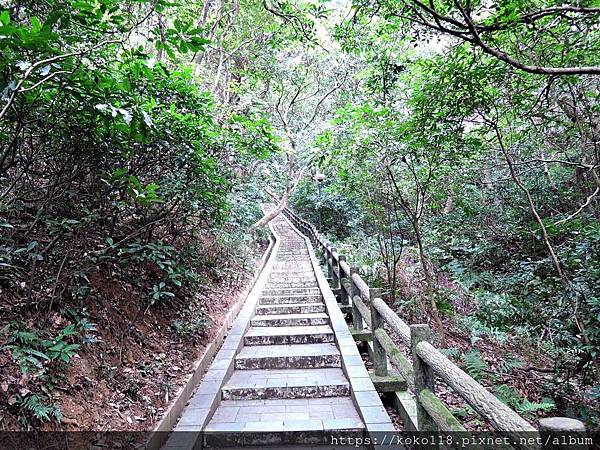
x=289 y=374
x=288 y=386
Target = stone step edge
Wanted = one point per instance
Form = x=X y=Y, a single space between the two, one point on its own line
x=288 y=301
x=277 y=308
x=289 y=335
x=296 y=331
x=285 y=390
x=294 y=432
x=288 y=362
x=289 y=339
x=290 y=320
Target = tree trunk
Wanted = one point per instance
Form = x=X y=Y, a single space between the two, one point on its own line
x=429 y=283
x=449 y=206
x=281 y=202
x=281 y=205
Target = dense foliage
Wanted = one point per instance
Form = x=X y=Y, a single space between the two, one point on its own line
x=450 y=148
x=114 y=157
x=469 y=154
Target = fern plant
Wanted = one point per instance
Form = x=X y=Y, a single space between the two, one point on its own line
x=41 y=407
x=526 y=407
x=509 y=363
x=451 y=352
x=506 y=394
x=47 y=359
x=522 y=405
x=475 y=364
x=26 y=350
x=30 y=351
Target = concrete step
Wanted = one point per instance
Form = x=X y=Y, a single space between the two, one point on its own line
x=283 y=422
x=279 y=284
x=291 y=308
x=291 y=283
x=293 y=279
x=286 y=299
x=292 y=273
x=299 y=264
x=300 y=258
x=290 y=320
x=286 y=383
x=292 y=269
x=289 y=335
x=300 y=356
x=291 y=291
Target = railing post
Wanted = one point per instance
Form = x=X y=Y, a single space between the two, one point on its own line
x=328 y=259
x=357 y=322
x=424 y=376
x=379 y=356
x=556 y=431
x=343 y=277
x=335 y=279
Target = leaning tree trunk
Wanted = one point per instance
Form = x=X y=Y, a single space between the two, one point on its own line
x=281 y=202
x=281 y=205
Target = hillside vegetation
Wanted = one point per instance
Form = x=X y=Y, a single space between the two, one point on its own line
x=450 y=149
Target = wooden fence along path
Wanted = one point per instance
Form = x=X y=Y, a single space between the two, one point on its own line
x=289 y=372
x=418 y=405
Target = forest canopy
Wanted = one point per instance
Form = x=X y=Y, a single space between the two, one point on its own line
x=451 y=149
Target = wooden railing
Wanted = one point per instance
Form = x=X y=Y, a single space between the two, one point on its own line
x=371 y=320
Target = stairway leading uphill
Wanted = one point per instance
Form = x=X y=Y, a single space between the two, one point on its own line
x=289 y=373
x=287 y=386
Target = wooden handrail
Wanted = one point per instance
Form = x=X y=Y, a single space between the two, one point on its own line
x=364 y=311
x=437 y=410
x=500 y=416
x=396 y=357
x=428 y=362
x=345 y=268
x=398 y=325
x=362 y=287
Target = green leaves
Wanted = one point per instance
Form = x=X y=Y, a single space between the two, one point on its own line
x=252 y=135
x=4 y=18
x=474 y=364
x=159 y=292
x=35 y=36
x=63 y=351
x=183 y=37
x=32 y=352
x=144 y=195
x=522 y=404
x=42 y=407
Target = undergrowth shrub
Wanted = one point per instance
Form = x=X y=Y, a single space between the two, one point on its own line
x=43 y=358
x=116 y=168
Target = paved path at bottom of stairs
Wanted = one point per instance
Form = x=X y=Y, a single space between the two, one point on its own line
x=288 y=386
